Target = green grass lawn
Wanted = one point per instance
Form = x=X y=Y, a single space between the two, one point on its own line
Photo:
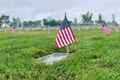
x=94 y=57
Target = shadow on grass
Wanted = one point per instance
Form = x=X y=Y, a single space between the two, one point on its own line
x=97 y=38
x=114 y=46
x=95 y=56
x=104 y=64
x=44 y=52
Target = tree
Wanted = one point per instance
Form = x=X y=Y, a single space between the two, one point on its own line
x=45 y=22
x=16 y=22
x=114 y=21
x=0 y=22
x=51 y=22
x=75 y=21
x=87 y=18
x=4 y=21
x=35 y=23
x=100 y=20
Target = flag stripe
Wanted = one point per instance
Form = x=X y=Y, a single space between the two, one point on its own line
x=71 y=34
x=59 y=38
x=64 y=35
x=58 y=43
x=68 y=35
x=62 y=38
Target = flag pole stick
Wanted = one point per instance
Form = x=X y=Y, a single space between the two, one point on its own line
x=67 y=49
x=48 y=30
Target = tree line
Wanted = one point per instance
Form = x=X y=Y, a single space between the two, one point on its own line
x=87 y=19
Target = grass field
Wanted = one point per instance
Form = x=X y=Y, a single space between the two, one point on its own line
x=94 y=57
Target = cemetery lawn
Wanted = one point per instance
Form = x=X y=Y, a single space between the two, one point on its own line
x=94 y=56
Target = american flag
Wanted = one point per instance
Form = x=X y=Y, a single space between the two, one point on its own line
x=106 y=30
x=65 y=35
x=13 y=29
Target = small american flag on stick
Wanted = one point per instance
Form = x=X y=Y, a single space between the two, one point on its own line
x=65 y=35
x=106 y=30
x=13 y=29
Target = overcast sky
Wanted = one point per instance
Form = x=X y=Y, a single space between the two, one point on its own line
x=38 y=9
